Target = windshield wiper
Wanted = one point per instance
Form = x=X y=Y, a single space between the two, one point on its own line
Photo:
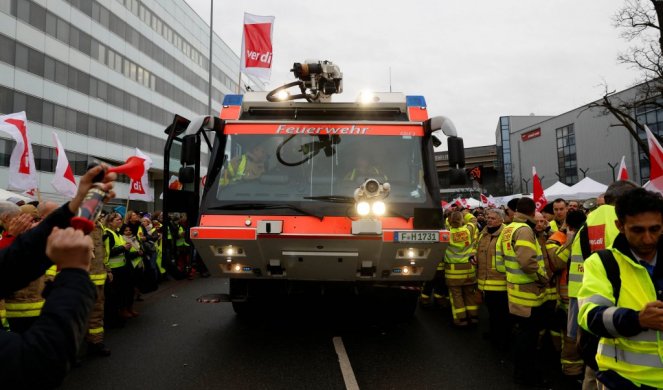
x=332 y=198
x=265 y=206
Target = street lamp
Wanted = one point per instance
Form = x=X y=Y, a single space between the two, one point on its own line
x=526 y=185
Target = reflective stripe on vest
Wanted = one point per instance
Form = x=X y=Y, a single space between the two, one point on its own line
x=51 y=271
x=492 y=285
x=460 y=246
x=459 y=271
x=98 y=279
x=22 y=310
x=234 y=176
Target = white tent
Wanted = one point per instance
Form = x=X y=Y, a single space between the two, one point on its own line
x=473 y=203
x=585 y=189
x=13 y=197
x=557 y=190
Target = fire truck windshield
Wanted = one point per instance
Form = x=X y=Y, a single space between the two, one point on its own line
x=310 y=169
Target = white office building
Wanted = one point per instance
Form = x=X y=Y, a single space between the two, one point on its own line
x=107 y=77
x=584 y=142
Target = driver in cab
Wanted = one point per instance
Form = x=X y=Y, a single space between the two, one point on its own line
x=365 y=169
x=247 y=166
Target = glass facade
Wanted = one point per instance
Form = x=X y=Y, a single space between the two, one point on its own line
x=567 y=162
x=81 y=99
x=504 y=152
x=652 y=116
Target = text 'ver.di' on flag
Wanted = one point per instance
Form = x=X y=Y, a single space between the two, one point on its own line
x=22 y=171
x=139 y=189
x=257 y=46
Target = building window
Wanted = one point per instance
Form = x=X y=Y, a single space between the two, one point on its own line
x=652 y=116
x=567 y=162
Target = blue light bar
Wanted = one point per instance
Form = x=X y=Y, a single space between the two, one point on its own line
x=415 y=101
x=233 y=100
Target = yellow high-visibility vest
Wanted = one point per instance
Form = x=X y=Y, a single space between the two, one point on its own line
x=638 y=358
x=602 y=231
x=517 y=278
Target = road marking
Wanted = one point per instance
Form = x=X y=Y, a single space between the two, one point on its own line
x=346 y=367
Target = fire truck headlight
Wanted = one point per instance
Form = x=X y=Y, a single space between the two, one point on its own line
x=282 y=95
x=367 y=97
x=379 y=208
x=230 y=251
x=363 y=208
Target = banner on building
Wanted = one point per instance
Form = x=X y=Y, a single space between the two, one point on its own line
x=257 y=46
x=22 y=171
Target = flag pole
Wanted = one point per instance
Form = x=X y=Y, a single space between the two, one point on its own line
x=38 y=195
x=239 y=82
x=211 y=34
x=126 y=207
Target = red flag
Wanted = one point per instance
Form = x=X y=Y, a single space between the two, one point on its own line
x=484 y=199
x=623 y=173
x=655 y=163
x=63 y=181
x=257 y=46
x=537 y=191
x=139 y=189
x=22 y=171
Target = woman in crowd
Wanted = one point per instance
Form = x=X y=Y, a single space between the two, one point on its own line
x=133 y=256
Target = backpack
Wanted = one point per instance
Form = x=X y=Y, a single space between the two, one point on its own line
x=588 y=343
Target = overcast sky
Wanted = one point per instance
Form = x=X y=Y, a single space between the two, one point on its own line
x=473 y=61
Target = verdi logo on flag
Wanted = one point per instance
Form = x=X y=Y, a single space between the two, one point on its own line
x=537 y=191
x=139 y=189
x=257 y=46
x=22 y=172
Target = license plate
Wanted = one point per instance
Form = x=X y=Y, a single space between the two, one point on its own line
x=417 y=236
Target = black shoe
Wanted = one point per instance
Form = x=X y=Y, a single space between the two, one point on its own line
x=98 y=349
x=205 y=274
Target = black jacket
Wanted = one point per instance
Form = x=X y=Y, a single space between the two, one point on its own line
x=40 y=357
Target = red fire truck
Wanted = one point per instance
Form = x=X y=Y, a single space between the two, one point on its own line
x=302 y=191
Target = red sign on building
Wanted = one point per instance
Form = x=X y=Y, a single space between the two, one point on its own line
x=531 y=134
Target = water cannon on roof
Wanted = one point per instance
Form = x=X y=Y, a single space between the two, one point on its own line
x=317 y=81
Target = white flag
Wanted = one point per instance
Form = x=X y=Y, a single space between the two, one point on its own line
x=140 y=190
x=22 y=171
x=63 y=182
x=257 y=46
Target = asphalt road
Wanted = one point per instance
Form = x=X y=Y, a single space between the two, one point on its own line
x=178 y=343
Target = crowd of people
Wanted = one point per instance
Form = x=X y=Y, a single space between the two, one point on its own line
x=572 y=289
x=127 y=262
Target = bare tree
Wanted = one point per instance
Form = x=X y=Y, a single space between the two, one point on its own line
x=638 y=21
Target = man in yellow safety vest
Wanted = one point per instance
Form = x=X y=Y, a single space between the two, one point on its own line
x=621 y=298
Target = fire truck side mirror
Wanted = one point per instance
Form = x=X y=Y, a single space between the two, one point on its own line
x=189 y=149
x=186 y=175
x=456 y=152
x=444 y=124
